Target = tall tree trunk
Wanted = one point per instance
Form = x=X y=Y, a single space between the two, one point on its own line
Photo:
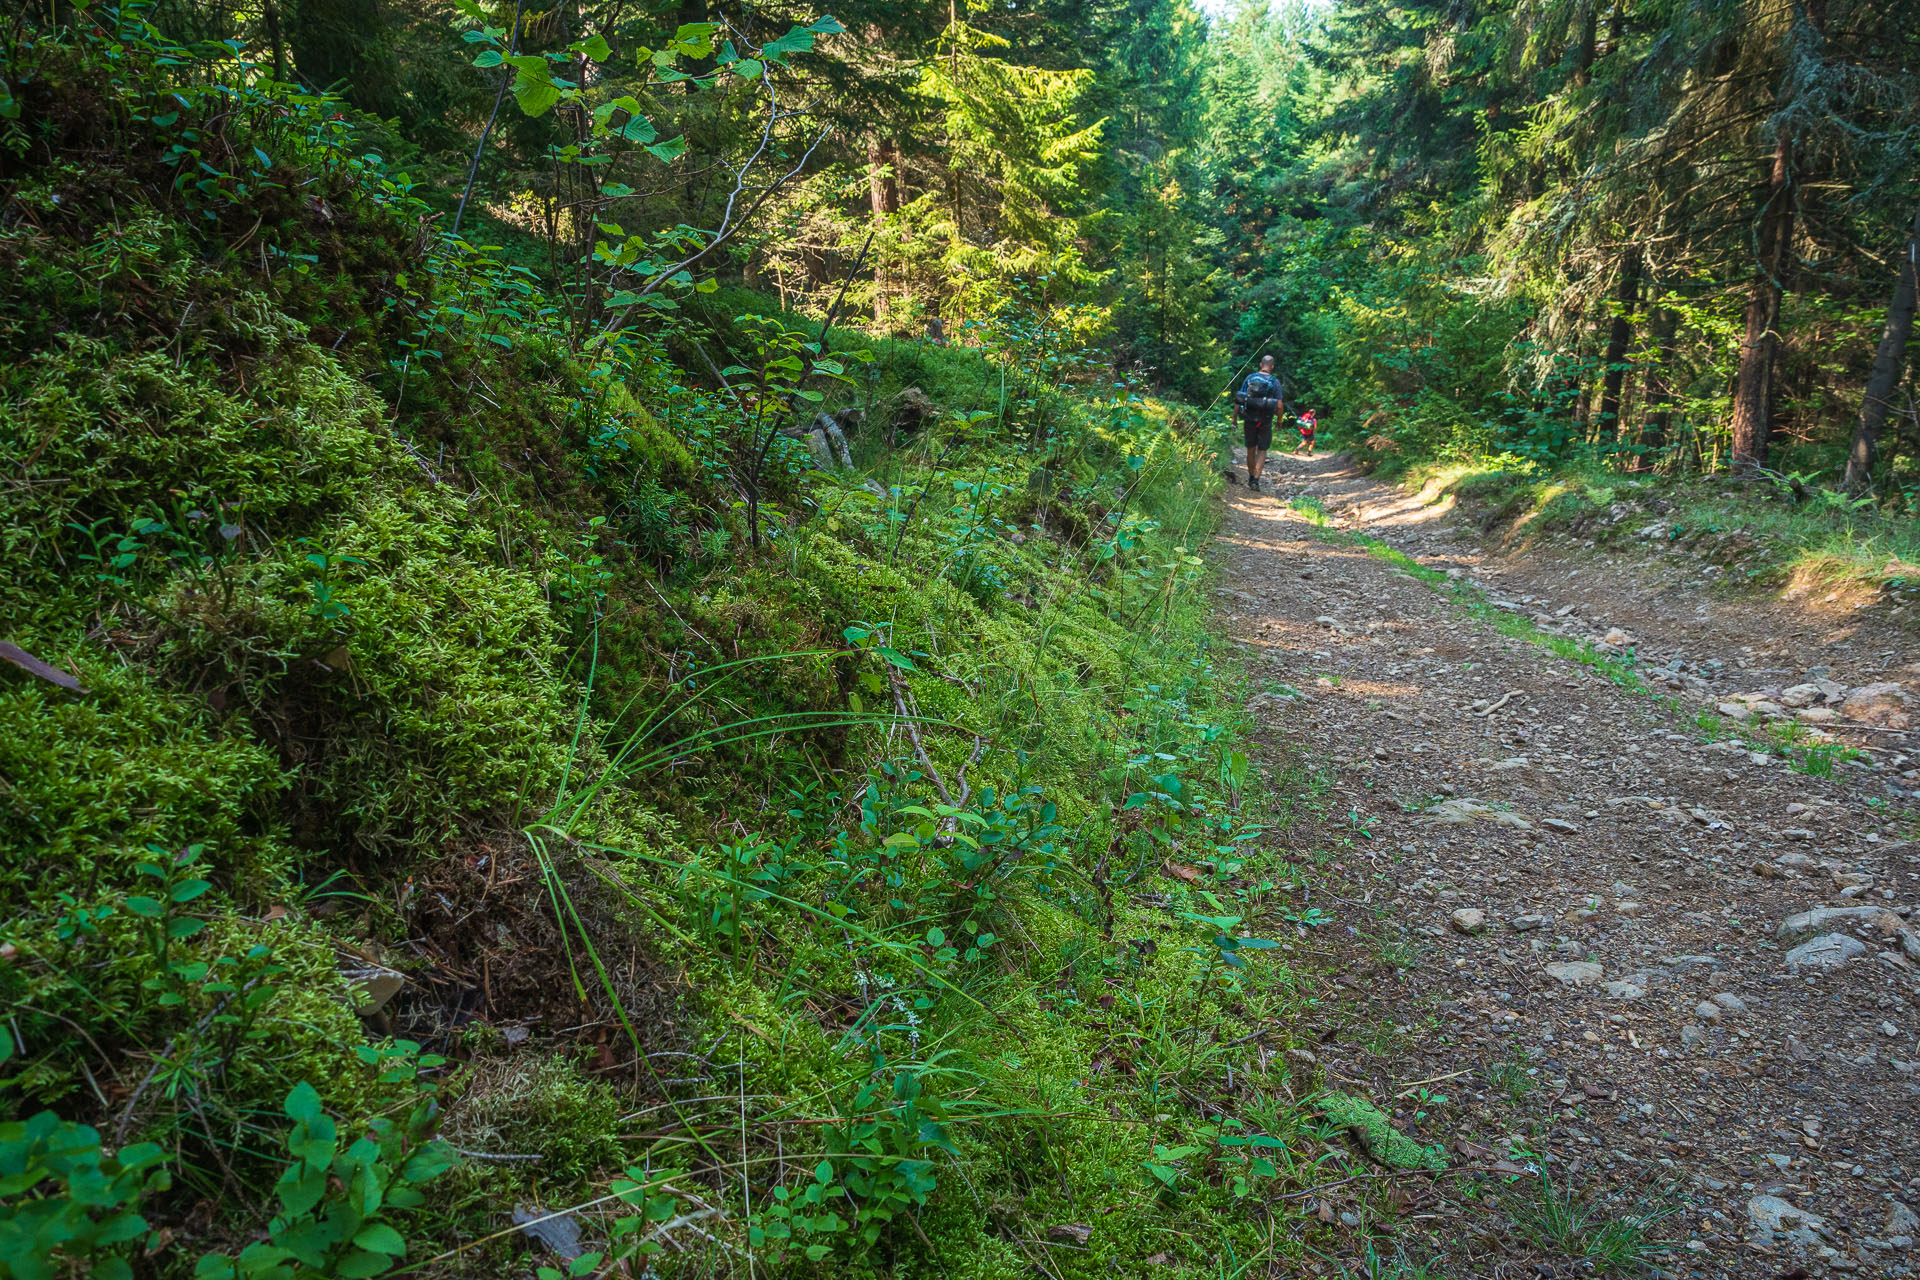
x=883 y=195
x=1886 y=364
x=1657 y=390
x=276 y=39
x=1589 y=37
x=1753 y=385
x=1619 y=337
x=1616 y=28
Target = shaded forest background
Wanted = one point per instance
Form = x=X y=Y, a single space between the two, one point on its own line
x=1665 y=234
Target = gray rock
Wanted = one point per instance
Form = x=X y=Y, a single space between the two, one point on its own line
x=1469 y=920
x=1625 y=989
x=1693 y=1035
x=1800 y=695
x=1825 y=919
x=1730 y=1002
x=1577 y=973
x=1902 y=1221
x=1775 y=1218
x=1707 y=1011
x=1560 y=824
x=1522 y=924
x=557 y=1229
x=1828 y=951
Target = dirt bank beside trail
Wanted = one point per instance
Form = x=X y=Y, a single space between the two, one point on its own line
x=1578 y=927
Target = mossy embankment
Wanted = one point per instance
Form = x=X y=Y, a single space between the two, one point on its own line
x=415 y=719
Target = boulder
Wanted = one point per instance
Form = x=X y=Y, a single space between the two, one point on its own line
x=1774 y=1218
x=1826 y=919
x=1469 y=920
x=1580 y=973
x=1800 y=695
x=1883 y=704
x=1828 y=951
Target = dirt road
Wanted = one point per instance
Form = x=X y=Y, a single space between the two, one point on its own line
x=1572 y=923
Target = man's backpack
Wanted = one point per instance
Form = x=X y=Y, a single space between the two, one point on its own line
x=1261 y=393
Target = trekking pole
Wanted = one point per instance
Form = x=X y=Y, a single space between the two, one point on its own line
x=1243 y=368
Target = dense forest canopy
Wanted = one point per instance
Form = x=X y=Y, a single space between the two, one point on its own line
x=549 y=537
x=1670 y=234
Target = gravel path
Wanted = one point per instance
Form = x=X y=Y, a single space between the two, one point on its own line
x=1569 y=911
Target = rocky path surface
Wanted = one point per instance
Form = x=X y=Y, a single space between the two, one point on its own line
x=1577 y=928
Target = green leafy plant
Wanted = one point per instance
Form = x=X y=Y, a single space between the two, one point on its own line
x=339 y=1200
x=65 y=1202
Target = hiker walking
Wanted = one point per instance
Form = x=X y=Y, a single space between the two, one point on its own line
x=1259 y=399
x=1308 y=425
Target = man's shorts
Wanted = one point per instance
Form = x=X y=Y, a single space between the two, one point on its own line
x=1258 y=431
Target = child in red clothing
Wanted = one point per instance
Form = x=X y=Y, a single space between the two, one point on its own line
x=1307 y=425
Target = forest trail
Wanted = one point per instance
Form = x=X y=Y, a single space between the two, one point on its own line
x=1566 y=909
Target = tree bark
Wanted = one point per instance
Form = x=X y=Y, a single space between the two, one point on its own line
x=1589 y=37
x=1886 y=364
x=1657 y=390
x=1619 y=337
x=1753 y=385
x=1616 y=28
x=271 y=12
x=883 y=196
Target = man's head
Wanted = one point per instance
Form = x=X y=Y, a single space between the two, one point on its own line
x=1266 y=364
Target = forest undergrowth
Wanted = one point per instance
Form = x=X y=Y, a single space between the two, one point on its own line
x=477 y=799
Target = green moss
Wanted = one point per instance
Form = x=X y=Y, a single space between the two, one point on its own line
x=1376 y=1135
x=533 y=1104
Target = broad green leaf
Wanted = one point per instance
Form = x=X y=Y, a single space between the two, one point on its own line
x=428 y=1162
x=303 y=1103
x=381 y=1238
x=533 y=85
x=669 y=151
x=596 y=49
x=361 y=1264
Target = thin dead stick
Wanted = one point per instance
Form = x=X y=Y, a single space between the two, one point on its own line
x=913 y=732
x=1451 y=1075
x=479 y=148
x=1505 y=698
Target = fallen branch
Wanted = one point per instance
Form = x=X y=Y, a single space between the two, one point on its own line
x=913 y=732
x=1505 y=698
